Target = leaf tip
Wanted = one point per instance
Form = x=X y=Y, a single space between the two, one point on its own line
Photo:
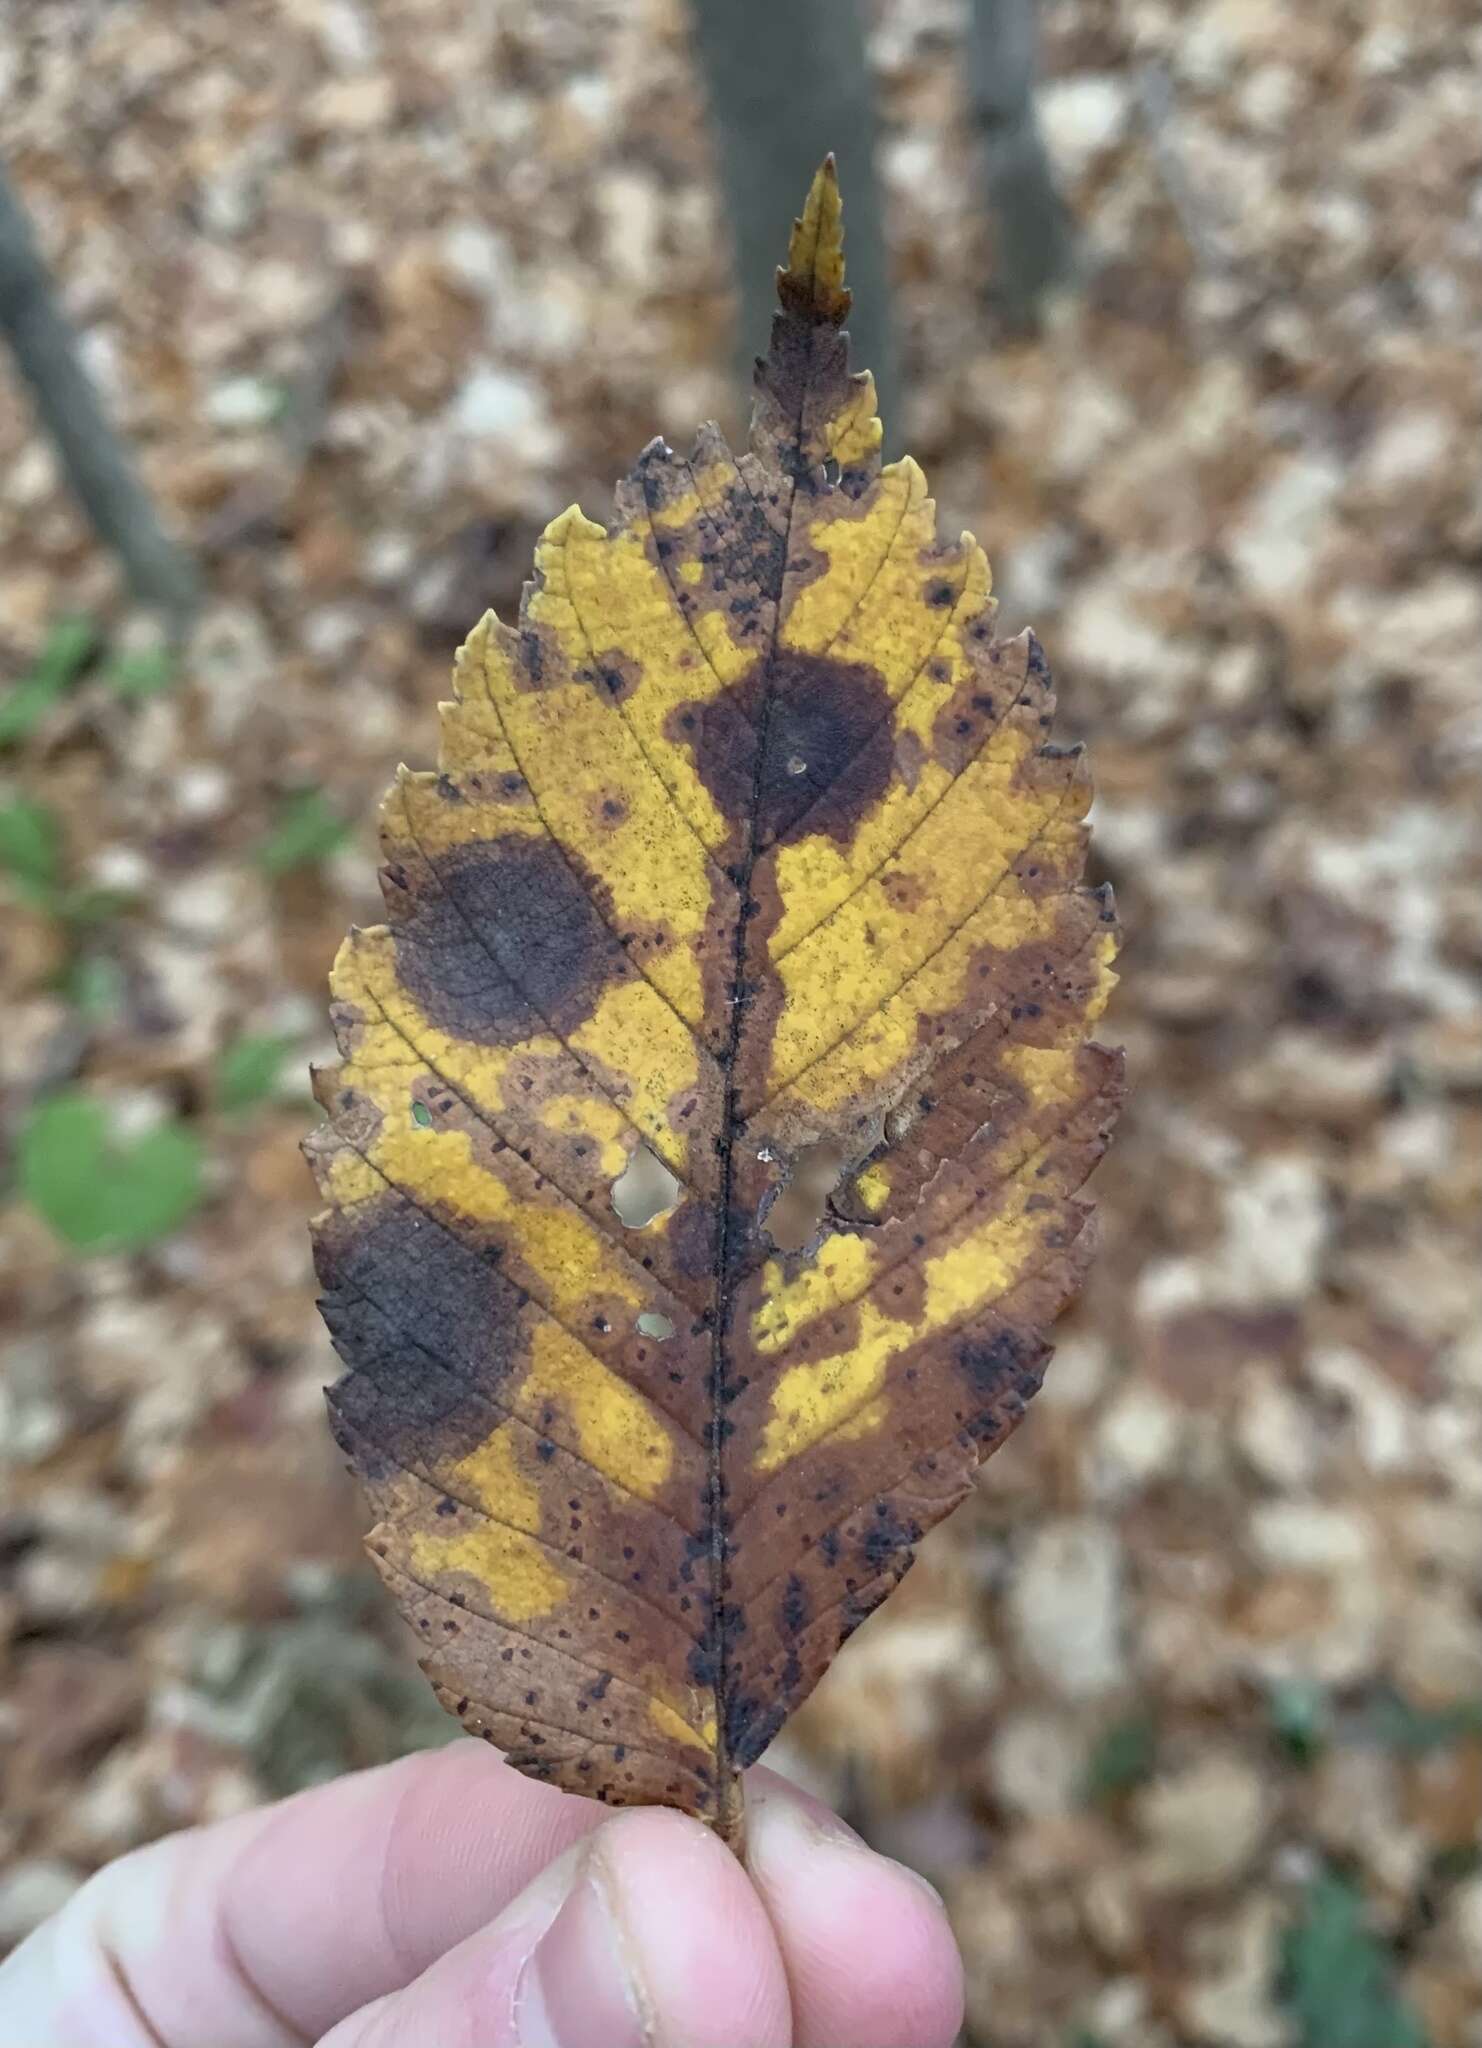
x=813 y=280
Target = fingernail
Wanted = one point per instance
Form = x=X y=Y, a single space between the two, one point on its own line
x=922 y=1884
x=797 y=1816
x=579 y=1987
x=785 y=1825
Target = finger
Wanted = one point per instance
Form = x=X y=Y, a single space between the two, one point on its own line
x=648 y=1935
x=869 y=1953
x=263 y=1931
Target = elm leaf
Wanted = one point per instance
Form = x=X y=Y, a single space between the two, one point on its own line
x=746 y=857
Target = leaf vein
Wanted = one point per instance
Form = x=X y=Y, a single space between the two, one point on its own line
x=566 y=1562
x=488 y=1123
x=445 y=1230
x=894 y=852
x=462 y=909
x=921 y=965
x=534 y=1720
x=988 y=1306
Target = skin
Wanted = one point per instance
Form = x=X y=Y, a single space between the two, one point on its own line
x=447 y=1898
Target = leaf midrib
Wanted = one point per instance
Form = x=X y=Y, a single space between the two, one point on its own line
x=728 y=1805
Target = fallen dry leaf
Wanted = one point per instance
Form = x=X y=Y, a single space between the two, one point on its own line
x=746 y=854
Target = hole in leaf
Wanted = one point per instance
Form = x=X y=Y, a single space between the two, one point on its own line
x=644 y=1189
x=830 y=471
x=796 y=765
x=652 y=1324
x=797 y=1212
x=422 y=1115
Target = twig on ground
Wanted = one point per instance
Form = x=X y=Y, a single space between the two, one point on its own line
x=161 y=573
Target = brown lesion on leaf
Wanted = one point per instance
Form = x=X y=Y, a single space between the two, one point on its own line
x=980 y=706
x=502 y=941
x=975 y=1097
x=691 y=1240
x=905 y=891
x=828 y=756
x=430 y=1325
x=825 y=749
x=356 y=1117
x=555 y=1707
x=726 y=555
x=613 y=674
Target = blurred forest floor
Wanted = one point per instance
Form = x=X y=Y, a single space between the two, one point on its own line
x=1184 y=1711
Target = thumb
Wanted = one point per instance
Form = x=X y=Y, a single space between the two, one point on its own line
x=647 y=1935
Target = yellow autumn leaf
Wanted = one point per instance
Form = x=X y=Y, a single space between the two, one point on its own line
x=746 y=848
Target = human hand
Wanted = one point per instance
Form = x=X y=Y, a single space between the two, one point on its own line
x=448 y=1902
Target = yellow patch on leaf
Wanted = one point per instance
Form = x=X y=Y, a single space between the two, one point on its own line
x=501 y=1554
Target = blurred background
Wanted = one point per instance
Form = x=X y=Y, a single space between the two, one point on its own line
x=1183 y=1712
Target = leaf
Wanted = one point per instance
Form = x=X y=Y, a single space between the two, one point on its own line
x=1337 y=1976
x=1123 y=1758
x=30 y=846
x=307 y=830
x=1399 y=1724
x=1301 y=1718
x=101 y=1192
x=90 y=905
x=96 y=984
x=745 y=849
x=69 y=647
x=31 y=855
x=141 y=671
x=249 y=1069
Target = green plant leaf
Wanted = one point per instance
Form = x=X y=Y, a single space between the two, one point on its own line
x=1397 y=1723
x=1122 y=1758
x=140 y=671
x=1300 y=1718
x=30 y=845
x=307 y=830
x=90 y=904
x=94 y=983
x=1337 y=1978
x=31 y=854
x=100 y=1192
x=68 y=648
x=249 y=1068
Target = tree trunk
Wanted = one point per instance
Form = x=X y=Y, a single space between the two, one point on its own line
x=1036 y=246
x=788 y=81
